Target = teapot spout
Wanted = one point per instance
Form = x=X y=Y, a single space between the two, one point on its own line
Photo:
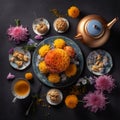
x=78 y=36
x=111 y=23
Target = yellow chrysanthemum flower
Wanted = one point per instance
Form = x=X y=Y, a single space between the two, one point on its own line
x=44 y=50
x=59 y=43
x=54 y=78
x=71 y=101
x=73 y=12
x=71 y=70
x=42 y=67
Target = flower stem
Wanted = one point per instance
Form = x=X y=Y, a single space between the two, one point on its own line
x=80 y=101
x=17 y=21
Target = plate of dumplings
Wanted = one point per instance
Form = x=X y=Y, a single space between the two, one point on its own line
x=20 y=58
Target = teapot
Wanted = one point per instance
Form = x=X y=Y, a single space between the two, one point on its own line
x=93 y=30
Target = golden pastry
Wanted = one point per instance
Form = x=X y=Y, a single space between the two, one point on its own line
x=15 y=53
x=42 y=27
x=19 y=63
x=20 y=56
x=12 y=59
x=25 y=58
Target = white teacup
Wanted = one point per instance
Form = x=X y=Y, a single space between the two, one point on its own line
x=20 y=89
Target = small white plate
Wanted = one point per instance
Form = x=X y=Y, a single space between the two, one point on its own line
x=60 y=97
x=25 y=64
x=59 y=31
x=38 y=21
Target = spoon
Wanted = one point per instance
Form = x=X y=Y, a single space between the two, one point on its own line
x=33 y=100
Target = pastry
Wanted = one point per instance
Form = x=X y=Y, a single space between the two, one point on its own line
x=41 y=28
x=25 y=58
x=19 y=63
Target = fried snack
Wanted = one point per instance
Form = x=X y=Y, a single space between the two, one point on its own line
x=25 y=58
x=15 y=53
x=12 y=59
x=60 y=24
x=19 y=63
x=20 y=56
x=54 y=96
x=42 y=28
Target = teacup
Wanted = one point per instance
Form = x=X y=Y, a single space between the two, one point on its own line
x=20 y=89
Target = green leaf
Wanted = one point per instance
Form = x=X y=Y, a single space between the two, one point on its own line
x=17 y=21
x=29 y=47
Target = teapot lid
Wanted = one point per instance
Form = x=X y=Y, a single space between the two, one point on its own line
x=94 y=28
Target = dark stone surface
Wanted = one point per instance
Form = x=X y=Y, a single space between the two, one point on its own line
x=27 y=11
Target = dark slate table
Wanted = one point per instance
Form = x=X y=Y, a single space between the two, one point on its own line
x=27 y=11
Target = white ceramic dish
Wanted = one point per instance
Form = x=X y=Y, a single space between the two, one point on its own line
x=37 y=22
x=60 y=97
x=99 y=62
x=25 y=64
x=59 y=31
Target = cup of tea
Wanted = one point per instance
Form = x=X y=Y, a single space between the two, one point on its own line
x=20 y=89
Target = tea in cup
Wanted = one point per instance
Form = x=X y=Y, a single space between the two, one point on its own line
x=20 y=89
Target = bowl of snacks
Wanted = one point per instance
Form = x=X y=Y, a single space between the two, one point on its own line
x=40 y=26
x=99 y=62
x=54 y=96
x=61 y=25
x=20 y=58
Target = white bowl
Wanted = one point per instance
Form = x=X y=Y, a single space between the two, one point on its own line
x=59 y=31
x=60 y=97
x=38 y=21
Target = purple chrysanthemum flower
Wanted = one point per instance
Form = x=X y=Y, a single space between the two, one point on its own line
x=11 y=50
x=30 y=42
x=10 y=76
x=104 y=83
x=18 y=34
x=95 y=101
x=38 y=37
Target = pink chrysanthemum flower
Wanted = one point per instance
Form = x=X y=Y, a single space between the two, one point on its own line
x=104 y=83
x=18 y=33
x=95 y=101
x=10 y=76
